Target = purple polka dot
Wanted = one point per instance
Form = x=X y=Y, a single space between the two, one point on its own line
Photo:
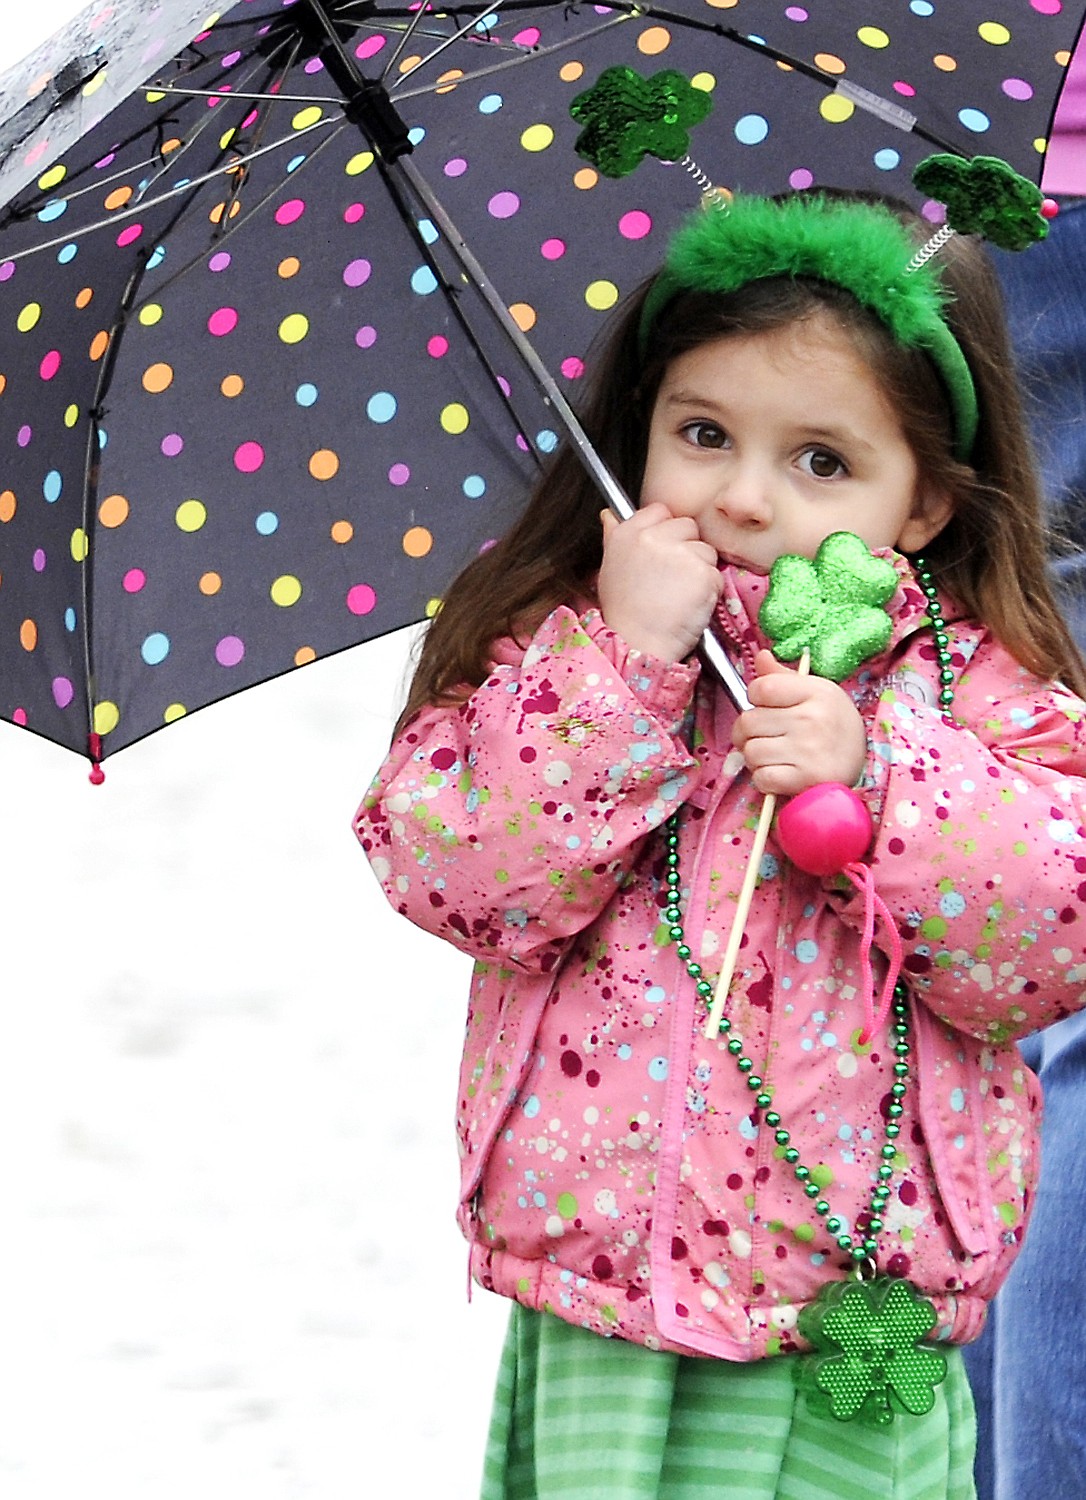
x=503 y=205
x=361 y=599
x=353 y=213
x=795 y=13
x=230 y=59
x=800 y=178
x=399 y=474
x=106 y=161
x=552 y=249
x=456 y=167
x=172 y=444
x=134 y=580
x=287 y=212
x=63 y=692
x=635 y=225
x=23 y=436
x=7 y=270
x=223 y=321
x=366 y=336
x=357 y=273
x=39 y=560
x=1017 y=88
x=229 y=651
x=219 y=261
x=248 y=457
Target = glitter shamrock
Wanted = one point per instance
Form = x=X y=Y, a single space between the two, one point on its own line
x=832 y=607
x=869 y=1361
x=984 y=195
x=626 y=117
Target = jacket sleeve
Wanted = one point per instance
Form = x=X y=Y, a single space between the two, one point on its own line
x=979 y=851
x=506 y=823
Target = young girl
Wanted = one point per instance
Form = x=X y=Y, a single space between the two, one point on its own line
x=571 y=799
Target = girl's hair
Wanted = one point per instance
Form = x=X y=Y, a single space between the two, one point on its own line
x=990 y=557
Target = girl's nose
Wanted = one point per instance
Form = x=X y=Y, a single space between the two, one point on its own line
x=745 y=496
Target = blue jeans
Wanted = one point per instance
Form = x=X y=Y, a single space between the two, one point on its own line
x=1028 y=1371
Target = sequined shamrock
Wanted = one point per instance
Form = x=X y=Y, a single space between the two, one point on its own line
x=832 y=607
x=984 y=195
x=869 y=1361
x=626 y=117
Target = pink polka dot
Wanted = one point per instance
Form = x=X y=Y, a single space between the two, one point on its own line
x=133 y=580
x=229 y=651
x=63 y=692
x=529 y=37
x=399 y=474
x=456 y=167
x=248 y=457
x=905 y=89
x=635 y=225
x=357 y=273
x=437 y=346
x=353 y=213
x=361 y=599
x=219 y=261
x=50 y=364
x=19 y=717
x=369 y=48
x=288 y=212
x=503 y=205
x=130 y=235
x=172 y=444
x=250 y=119
x=1047 y=7
x=573 y=368
x=366 y=336
x=552 y=249
x=800 y=178
x=223 y=321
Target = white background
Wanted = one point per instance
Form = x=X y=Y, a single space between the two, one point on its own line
x=228 y=1262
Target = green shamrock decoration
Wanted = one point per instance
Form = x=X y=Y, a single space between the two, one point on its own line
x=832 y=607
x=626 y=117
x=869 y=1362
x=984 y=195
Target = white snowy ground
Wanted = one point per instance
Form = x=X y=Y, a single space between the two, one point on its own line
x=228 y=1261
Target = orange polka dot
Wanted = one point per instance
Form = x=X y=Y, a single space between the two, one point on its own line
x=210 y=583
x=118 y=198
x=304 y=655
x=289 y=267
x=28 y=635
x=586 y=178
x=99 y=344
x=944 y=63
x=7 y=505
x=231 y=385
x=324 y=464
x=171 y=145
x=417 y=541
x=157 y=378
x=829 y=62
x=113 y=511
x=342 y=531
x=84 y=296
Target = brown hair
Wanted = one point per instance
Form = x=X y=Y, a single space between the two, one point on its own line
x=990 y=556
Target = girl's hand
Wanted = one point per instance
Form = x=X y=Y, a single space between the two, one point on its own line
x=800 y=730
x=659 y=582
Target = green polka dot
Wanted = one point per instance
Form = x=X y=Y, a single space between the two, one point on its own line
x=566 y=1206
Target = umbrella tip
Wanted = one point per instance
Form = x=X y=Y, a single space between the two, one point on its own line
x=94 y=754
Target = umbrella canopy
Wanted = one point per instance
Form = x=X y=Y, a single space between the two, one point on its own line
x=258 y=403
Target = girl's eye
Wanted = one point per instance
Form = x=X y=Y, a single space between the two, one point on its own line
x=705 y=435
x=822 y=464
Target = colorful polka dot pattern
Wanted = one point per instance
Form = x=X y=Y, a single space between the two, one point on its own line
x=294 y=441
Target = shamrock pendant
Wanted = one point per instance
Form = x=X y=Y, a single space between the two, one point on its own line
x=869 y=1361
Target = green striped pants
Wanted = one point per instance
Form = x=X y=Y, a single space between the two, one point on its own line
x=578 y=1417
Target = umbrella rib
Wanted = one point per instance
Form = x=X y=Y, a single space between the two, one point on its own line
x=408 y=32
x=423 y=62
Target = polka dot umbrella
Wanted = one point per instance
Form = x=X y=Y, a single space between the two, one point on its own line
x=259 y=400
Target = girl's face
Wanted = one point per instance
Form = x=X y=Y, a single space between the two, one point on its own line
x=772 y=442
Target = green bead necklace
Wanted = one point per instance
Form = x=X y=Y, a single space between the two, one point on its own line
x=866 y=1328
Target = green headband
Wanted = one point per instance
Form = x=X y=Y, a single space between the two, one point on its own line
x=861 y=247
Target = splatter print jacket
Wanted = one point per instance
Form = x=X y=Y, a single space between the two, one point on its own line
x=612 y=1170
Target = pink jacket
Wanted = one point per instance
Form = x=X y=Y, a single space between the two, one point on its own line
x=612 y=1171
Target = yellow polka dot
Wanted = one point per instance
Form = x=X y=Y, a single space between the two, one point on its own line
x=157 y=378
x=571 y=71
x=1062 y=57
x=654 y=40
x=113 y=511
x=307 y=117
x=944 y=63
x=829 y=62
x=600 y=295
x=231 y=385
x=324 y=464
x=79 y=545
x=836 y=109
x=190 y=515
x=226 y=137
x=706 y=82
x=537 y=138
x=28 y=635
x=71 y=415
x=51 y=178
x=433 y=607
x=28 y=317
x=154 y=96
x=873 y=36
x=454 y=418
x=98 y=344
x=417 y=541
x=289 y=267
x=359 y=163
x=523 y=316
x=1040 y=145
x=293 y=328
x=84 y=296
x=7 y=505
x=286 y=591
x=586 y=178
x=117 y=199
x=106 y=717
x=447 y=82
x=993 y=32
x=150 y=315
x=173 y=712
x=342 y=531
x=210 y=584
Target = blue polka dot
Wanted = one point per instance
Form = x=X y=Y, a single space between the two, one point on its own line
x=267 y=523
x=546 y=441
x=921 y=7
x=52 y=485
x=658 y=1069
x=655 y=994
x=157 y=256
x=381 y=407
x=625 y=1052
x=155 y=648
x=531 y=1106
x=751 y=130
x=67 y=253
x=416 y=135
x=70 y=620
x=53 y=210
x=295 y=162
x=807 y=951
x=539 y=1199
x=428 y=231
x=474 y=486
x=424 y=281
x=306 y=394
x=975 y=120
x=887 y=159
x=952 y=904
x=490 y=104
x=957 y=1100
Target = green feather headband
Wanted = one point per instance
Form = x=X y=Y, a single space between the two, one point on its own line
x=860 y=247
